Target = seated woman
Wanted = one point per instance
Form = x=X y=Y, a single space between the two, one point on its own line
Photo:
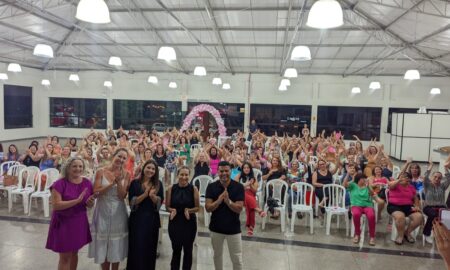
x=295 y=174
x=247 y=178
x=276 y=172
x=416 y=177
x=361 y=201
x=322 y=176
x=403 y=203
x=435 y=196
x=378 y=183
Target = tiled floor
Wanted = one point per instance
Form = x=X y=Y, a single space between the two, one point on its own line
x=22 y=244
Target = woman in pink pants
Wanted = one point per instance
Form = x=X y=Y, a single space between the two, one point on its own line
x=361 y=202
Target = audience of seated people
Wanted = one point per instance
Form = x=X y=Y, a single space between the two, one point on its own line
x=367 y=173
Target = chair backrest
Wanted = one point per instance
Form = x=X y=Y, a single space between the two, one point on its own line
x=30 y=174
x=161 y=174
x=258 y=174
x=221 y=140
x=177 y=152
x=14 y=170
x=395 y=171
x=277 y=186
x=303 y=197
x=4 y=167
x=202 y=182
x=51 y=174
x=336 y=195
x=249 y=146
x=386 y=191
x=313 y=160
x=195 y=146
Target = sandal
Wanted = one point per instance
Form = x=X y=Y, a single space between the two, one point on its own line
x=262 y=214
x=372 y=242
x=409 y=239
x=356 y=239
x=250 y=231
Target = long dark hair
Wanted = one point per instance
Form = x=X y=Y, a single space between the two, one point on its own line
x=246 y=176
x=155 y=178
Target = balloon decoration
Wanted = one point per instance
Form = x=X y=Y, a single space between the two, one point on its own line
x=205 y=108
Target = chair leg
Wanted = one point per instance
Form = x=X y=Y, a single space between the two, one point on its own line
x=25 y=203
x=337 y=221
x=328 y=223
x=346 y=226
x=263 y=224
x=352 y=229
x=29 y=206
x=283 y=219
x=45 y=203
x=293 y=216
x=205 y=215
x=9 y=201
x=393 y=230
x=311 y=221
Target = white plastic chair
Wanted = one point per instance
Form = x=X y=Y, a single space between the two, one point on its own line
x=161 y=174
x=249 y=147
x=277 y=186
x=4 y=167
x=260 y=192
x=44 y=192
x=395 y=171
x=221 y=140
x=335 y=205
x=299 y=204
x=202 y=182
x=24 y=189
x=14 y=170
x=195 y=148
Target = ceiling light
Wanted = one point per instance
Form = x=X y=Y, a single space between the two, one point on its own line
x=290 y=73
x=167 y=53
x=412 y=74
x=152 y=79
x=93 y=11
x=14 y=67
x=375 y=85
x=200 y=71
x=286 y=82
x=356 y=90
x=3 y=76
x=173 y=85
x=301 y=53
x=107 y=84
x=217 y=81
x=74 y=77
x=282 y=87
x=115 y=61
x=325 y=14
x=435 y=91
x=43 y=50
x=45 y=82
x=226 y=86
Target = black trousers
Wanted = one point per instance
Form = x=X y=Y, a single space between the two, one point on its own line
x=182 y=234
x=432 y=212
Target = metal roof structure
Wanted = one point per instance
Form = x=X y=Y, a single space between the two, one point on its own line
x=378 y=38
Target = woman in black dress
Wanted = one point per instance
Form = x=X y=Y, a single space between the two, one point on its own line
x=182 y=202
x=145 y=195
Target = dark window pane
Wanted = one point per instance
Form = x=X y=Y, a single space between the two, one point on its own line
x=18 y=108
x=231 y=113
x=280 y=118
x=78 y=113
x=360 y=121
x=146 y=114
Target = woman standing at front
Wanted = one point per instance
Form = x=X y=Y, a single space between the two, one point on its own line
x=69 y=227
x=145 y=195
x=182 y=202
x=109 y=225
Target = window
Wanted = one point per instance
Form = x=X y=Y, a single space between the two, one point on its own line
x=18 y=108
x=360 y=121
x=231 y=113
x=147 y=114
x=404 y=110
x=78 y=113
x=280 y=118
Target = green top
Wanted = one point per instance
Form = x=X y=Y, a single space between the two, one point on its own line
x=359 y=196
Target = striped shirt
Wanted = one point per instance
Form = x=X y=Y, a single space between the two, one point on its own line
x=435 y=195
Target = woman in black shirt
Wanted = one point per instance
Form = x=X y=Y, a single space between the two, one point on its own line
x=160 y=156
x=31 y=158
x=201 y=166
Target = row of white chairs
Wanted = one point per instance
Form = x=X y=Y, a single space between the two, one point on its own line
x=30 y=185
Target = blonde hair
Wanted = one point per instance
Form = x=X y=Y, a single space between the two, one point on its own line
x=65 y=170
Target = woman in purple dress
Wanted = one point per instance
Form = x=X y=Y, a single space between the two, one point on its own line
x=69 y=227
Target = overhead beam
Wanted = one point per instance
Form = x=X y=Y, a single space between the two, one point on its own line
x=403 y=14
x=232 y=28
x=286 y=33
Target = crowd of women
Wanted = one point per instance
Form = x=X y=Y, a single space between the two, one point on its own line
x=106 y=169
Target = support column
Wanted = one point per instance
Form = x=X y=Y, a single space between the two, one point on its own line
x=314 y=105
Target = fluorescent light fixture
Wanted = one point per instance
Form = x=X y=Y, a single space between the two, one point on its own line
x=435 y=91
x=173 y=85
x=286 y=82
x=115 y=61
x=45 y=82
x=3 y=76
x=226 y=86
x=301 y=53
x=167 y=53
x=43 y=50
x=356 y=90
x=93 y=11
x=74 y=77
x=107 y=84
x=152 y=79
x=325 y=14
x=375 y=85
x=412 y=74
x=14 y=67
x=290 y=73
x=217 y=81
x=282 y=87
x=200 y=71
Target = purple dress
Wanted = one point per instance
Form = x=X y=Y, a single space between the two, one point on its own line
x=69 y=228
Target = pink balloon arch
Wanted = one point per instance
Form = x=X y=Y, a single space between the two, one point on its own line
x=205 y=108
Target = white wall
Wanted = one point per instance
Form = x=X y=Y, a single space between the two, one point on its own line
x=263 y=89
